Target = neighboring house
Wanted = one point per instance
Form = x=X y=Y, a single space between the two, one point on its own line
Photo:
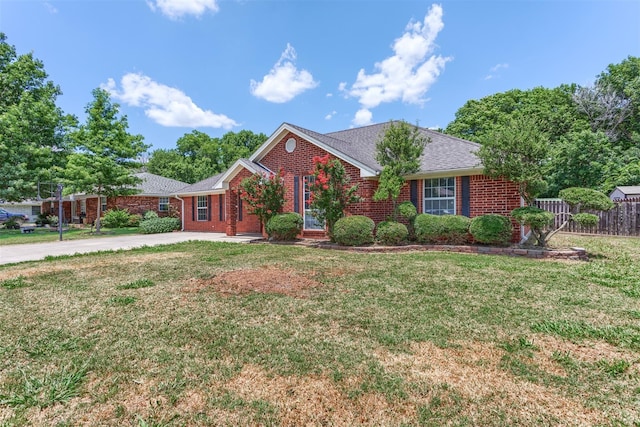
x=30 y=208
x=450 y=180
x=625 y=192
x=155 y=193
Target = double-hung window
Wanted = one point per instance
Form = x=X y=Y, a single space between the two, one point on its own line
x=310 y=222
x=163 y=204
x=103 y=203
x=203 y=208
x=440 y=196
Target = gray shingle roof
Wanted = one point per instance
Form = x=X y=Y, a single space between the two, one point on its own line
x=156 y=185
x=443 y=153
x=200 y=186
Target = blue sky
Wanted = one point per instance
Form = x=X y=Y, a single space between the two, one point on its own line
x=327 y=65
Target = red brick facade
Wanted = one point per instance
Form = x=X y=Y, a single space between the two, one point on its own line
x=486 y=195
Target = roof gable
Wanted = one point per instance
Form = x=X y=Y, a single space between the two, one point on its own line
x=357 y=146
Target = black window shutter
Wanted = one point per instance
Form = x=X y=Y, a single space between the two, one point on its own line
x=220 y=207
x=296 y=194
x=209 y=207
x=466 y=196
x=413 y=192
x=193 y=208
x=239 y=208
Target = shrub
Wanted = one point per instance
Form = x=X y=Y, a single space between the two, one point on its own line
x=284 y=226
x=159 y=225
x=491 y=229
x=53 y=220
x=115 y=218
x=150 y=215
x=354 y=230
x=408 y=211
x=134 y=220
x=586 y=219
x=391 y=233
x=442 y=229
x=42 y=220
x=12 y=224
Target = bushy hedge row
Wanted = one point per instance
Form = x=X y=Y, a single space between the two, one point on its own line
x=490 y=229
x=159 y=225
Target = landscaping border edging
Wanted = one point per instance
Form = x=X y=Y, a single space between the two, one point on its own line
x=578 y=254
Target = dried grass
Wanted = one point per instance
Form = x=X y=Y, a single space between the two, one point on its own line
x=472 y=369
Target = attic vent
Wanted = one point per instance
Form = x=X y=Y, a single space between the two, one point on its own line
x=290 y=145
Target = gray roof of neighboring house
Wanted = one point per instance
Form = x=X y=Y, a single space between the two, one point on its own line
x=156 y=185
x=443 y=153
x=629 y=189
x=204 y=185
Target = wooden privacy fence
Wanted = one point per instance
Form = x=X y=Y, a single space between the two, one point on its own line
x=622 y=220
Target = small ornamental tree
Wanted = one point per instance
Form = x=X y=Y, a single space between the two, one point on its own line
x=399 y=152
x=264 y=193
x=330 y=191
x=583 y=202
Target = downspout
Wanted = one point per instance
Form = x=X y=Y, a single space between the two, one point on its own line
x=181 y=212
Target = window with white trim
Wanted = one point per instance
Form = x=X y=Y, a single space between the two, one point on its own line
x=163 y=204
x=203 y=208
x=103 y=203
x=310 y=221
x=440 y=196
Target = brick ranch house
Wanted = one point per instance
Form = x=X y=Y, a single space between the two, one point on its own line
x=450 y=180
x=155 y=193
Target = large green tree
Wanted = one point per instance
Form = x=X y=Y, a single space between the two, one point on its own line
x=198 y=156
x=399 y=151
x=105 y=153
x=517 y=151
x=32 y=127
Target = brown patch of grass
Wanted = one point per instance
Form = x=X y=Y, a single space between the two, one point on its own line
x=315 y=400
x=268 y=280
x=472 y=369
x=85 y=264
x=584 y=351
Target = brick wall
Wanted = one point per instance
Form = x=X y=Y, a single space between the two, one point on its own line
x=215 y=224
x=489 y=195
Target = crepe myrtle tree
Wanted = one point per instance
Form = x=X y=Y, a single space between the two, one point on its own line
x=331 y=193
x=264 y=193
x=583 y=202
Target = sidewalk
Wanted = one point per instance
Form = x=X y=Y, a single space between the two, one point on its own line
x=38 y=251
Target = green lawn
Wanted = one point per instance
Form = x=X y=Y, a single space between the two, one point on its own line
x=39 y=235
x=204 y=333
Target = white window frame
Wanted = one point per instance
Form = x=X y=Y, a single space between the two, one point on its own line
x=163 y=204
x=443 y=186
x=310 y=222
x=103 y=203
x=202 y=206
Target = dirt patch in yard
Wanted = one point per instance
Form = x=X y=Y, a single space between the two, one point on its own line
x=266 y=280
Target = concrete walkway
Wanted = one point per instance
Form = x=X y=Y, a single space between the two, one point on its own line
x=38 y=251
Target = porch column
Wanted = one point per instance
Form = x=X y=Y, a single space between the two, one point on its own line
x=231 y=202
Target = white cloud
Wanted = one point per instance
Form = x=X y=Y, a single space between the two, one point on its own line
x=408 y=74
x=363 y=117
x=284 y=82
x=51 y=8
x=176 y=9
x=330 y=115
x=165 y=105
x=495 y=69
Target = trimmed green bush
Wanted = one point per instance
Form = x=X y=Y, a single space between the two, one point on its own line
x=159 y=225
x=533 y=216
x=491 y=229
x=150 y=215
x=284 y=226
x=408 y=211
x=354 y=230
x=391 y=233
x=134 y=220
x=115 y=218
x=442 y=229
x=586 y=219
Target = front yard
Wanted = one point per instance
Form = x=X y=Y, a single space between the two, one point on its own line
x=228 y=334
x=41 y=234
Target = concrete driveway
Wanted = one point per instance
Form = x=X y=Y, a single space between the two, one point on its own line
x=37 y=251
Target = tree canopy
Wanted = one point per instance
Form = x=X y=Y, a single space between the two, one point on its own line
x=105 y=154
x=593 y=131
x=198 y=156
x=32 y=127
